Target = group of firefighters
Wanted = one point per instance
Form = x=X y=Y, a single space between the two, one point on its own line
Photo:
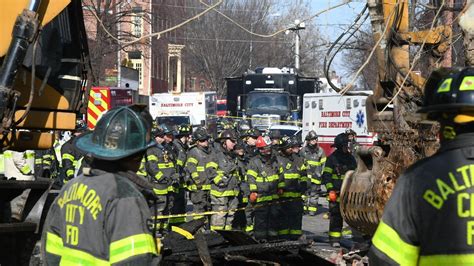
x=239 y=180
x=108 y=214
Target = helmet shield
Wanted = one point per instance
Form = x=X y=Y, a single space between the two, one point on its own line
x=121 y=132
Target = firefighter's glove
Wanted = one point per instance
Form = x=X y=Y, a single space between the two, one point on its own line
x=332 y=196
x=280 y=191
x=175 y=180
x=253 y=197
x=224 y=182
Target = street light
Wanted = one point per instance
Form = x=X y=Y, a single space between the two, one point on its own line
x=296 y=28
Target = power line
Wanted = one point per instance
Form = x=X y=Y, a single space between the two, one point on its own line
x=233 y=40
x=202 y=8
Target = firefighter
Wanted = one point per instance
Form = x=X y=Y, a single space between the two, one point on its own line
x=71 y=157
x=265 y=182
x=242 y=127
x=158 y=167
x=225 y=182
x=315 y=158
x=101 y=216
x=199 y=158
x=428 y=218
x=168 y=138
x=250 y=139
x=18 y=166
x=294 y=177
x=44 y=163
x=159 y=134
x=241 y=220
x=275 y=136
x=353 y=144
x=181 y=146
x=338 y=163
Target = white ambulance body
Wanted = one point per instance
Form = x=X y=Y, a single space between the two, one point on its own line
x=330 y=114
x=197 y=107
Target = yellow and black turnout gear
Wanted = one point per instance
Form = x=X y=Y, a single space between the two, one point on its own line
x=224 y=189
x=199 y=159
x=338 y=163
x=98 y=219
x=315 y=159
x=291 y=206
x=158 y=167
x=428 y=219
x=264 y=176
x=72 y=160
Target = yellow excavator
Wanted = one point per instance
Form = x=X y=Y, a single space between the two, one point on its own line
x=43 y=76
x=403 y=136
x=43 y=56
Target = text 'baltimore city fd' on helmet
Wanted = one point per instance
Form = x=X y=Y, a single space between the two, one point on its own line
x=121 y=132
x=449 y=90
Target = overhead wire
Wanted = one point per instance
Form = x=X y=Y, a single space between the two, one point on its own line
x=208 y=9
x=344 y=2
x=158 y=34
x=327 y=65
x=382 y=36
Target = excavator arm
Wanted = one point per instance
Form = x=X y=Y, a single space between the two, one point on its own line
x=403 y=136
x=44 y=62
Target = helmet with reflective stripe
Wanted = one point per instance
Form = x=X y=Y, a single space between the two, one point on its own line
x=228 y=134
x=253 y=132
x=184 y=130
x=121 y=132
x=449 y=90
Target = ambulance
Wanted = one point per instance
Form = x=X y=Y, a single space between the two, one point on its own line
x=330 y=114
x=194 y=108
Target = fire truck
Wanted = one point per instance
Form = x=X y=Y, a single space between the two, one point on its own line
x=222 y=107
x=102 y=99
x=330 y=114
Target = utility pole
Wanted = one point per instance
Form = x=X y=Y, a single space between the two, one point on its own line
x=297 y=50
x=296 y=28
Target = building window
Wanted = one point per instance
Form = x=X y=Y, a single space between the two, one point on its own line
x=137 y=25
x=138 y=65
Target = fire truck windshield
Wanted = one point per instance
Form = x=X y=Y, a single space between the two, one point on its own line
x=268 y=101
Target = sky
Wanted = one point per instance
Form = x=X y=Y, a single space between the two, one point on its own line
x=332 y=23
